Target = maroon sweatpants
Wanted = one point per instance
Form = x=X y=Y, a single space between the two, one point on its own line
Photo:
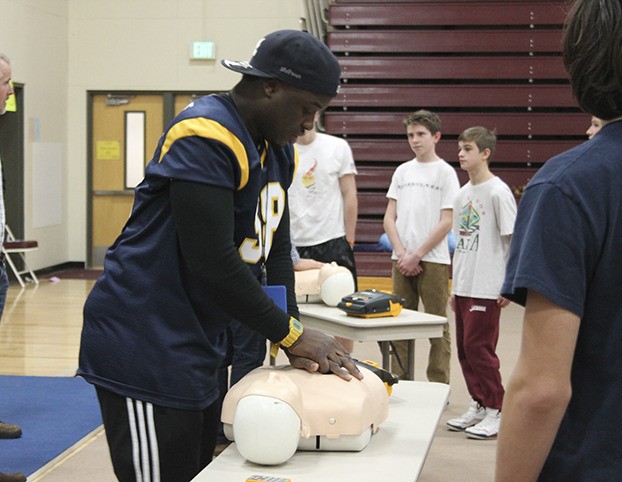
x=477 y=333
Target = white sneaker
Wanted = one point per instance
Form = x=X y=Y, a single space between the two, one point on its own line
x=488 y=428
x=472 y=416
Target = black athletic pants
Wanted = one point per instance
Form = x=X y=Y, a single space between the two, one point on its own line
x=337 y=250
x=149 y=443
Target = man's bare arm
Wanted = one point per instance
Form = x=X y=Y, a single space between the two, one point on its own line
x=538 y=391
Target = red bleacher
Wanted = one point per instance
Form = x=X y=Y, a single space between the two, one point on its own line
x=491 y=63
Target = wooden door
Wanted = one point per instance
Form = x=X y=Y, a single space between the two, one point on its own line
x=118 y=123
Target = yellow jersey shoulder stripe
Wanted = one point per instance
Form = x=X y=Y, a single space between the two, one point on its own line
x=209 y=129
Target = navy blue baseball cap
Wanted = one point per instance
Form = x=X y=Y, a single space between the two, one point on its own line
x=294 y=57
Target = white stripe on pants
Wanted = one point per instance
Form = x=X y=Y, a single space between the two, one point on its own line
x=144 y=441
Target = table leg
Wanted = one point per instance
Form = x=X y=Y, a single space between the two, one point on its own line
x=411 y=360
x=385 y=350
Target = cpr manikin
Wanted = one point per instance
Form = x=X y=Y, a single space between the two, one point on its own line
x=329 y=284
x=274 y=411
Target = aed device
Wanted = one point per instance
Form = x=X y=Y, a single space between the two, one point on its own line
x=371 y=304
x=386 y=376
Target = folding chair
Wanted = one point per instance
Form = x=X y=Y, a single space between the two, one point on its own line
x=12 y=247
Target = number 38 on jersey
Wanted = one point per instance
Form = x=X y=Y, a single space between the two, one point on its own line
x=270 y=208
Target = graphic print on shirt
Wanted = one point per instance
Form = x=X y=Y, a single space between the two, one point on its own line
x=468 y=239
x=308 y=178
x=270 y=207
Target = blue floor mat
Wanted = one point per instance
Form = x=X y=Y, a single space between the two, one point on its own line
x=54 y=413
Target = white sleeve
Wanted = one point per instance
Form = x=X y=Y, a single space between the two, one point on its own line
x=346 y=159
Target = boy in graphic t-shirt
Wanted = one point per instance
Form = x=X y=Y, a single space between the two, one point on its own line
x=484 y=214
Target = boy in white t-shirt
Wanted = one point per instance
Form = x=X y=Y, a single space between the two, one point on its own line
x=484 y=214
x=417 y=220
x=323 y=204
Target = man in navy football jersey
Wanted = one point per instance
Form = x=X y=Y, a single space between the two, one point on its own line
x=209 y=227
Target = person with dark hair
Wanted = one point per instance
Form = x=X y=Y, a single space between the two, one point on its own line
x=595 y=125
x=208 y=234
x=561 y=412
x=417 y=219
x=7 y=430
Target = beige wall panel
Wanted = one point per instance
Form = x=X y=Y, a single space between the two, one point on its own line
x=33 y=34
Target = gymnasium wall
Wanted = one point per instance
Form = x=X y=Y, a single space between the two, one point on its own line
x=61 y=49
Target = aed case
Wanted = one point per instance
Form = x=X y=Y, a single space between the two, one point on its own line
x=371 y=304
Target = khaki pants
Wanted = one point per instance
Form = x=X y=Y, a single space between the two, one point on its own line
x=432 y=286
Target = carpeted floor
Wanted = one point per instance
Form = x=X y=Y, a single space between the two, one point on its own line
x=54 y=413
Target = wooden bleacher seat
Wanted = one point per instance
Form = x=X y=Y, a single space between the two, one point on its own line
x=451 y=68
x=392 y=151
x=526 y=96
x=453 y=123
x=19 y=247
x=377 y=264
x=372 y=13
x=368 y=231
x=374 y=177
x=372 y=203
x=449 y=41
x=492 y=63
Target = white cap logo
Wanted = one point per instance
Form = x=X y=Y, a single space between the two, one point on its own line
x=238 y=64
x=257 y=46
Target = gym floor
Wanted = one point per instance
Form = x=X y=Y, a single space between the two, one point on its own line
x=40 y=332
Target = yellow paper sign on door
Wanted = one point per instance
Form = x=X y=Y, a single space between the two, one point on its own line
x=108 y=150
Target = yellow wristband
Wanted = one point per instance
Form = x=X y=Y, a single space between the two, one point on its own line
x=295 y=330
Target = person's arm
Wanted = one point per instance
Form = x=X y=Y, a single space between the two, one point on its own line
x=538 y=391
x=410 y=262
x=306 y=264
x=303 y=264
x=390 y=216
x=501 y=301
x=211 y=257
x=295 y=256
x=347 y=183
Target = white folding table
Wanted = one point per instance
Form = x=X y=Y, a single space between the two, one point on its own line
x=408 y=325
x=396 y=452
